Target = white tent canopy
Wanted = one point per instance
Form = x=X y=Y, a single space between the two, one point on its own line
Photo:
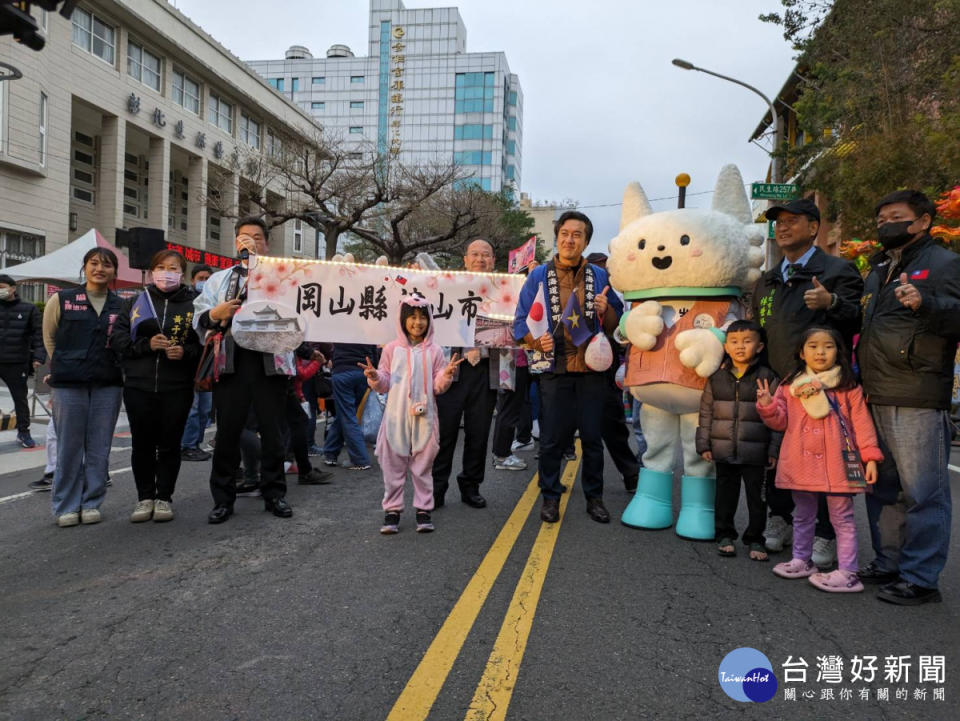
x=63 y=266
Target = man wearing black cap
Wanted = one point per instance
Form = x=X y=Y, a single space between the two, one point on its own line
x=808 y=288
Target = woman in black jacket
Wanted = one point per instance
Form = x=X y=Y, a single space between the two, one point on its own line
x=158 y=351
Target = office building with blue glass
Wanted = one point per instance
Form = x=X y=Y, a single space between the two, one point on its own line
x=418 y=96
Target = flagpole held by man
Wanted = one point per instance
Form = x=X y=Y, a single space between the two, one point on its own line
x=573 y=294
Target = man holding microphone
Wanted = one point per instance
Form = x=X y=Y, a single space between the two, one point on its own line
x=250 y=379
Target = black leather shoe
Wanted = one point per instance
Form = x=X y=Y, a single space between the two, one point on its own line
x=905 y=593
x=474 y=500
x=550 y=511
x=278 y=507
x=598 y=512
x=219 y=514
x=871 y=574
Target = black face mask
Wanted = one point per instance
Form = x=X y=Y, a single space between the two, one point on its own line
x=895 y=235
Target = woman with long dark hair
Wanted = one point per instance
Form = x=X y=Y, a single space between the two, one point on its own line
x=158 y=350
x=86 y=383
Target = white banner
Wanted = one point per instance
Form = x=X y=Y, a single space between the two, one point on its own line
x=356 y=303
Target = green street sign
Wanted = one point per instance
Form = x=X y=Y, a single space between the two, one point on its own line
x=773 y=191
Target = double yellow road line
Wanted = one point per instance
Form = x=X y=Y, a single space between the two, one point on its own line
x=495 y=689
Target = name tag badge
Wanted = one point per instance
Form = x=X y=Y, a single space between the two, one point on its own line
x=854 y=470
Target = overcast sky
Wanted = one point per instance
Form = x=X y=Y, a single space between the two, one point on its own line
x=602 y=103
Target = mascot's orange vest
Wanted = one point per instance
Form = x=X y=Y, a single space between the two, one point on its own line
x=661 y=364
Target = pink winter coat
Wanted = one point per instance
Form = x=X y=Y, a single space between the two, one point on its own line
x=810 y=455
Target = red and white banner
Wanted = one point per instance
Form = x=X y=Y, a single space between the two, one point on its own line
x=356 y=303
x=522 y=257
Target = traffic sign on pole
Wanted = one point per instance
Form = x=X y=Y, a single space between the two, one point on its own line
x=773 y=191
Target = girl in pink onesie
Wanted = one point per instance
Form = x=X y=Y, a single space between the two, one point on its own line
x=413 y=370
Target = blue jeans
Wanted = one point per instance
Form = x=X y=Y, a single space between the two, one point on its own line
x=85 y=418
x=198 y=420
x=348 y=389
x=912 y=533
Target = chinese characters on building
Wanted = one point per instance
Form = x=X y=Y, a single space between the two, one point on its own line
x=398 y=61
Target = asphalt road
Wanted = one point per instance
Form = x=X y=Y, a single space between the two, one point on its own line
x=320 y=617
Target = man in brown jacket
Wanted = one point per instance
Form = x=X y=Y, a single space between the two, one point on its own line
x=570 y=385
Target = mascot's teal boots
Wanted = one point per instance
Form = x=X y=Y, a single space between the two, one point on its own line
x=652 y=505
x=697 y=495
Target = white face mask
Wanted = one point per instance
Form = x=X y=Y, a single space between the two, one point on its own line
x=166 y=279
x=5 y=293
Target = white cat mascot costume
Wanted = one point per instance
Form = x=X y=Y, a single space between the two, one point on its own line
x=684 y=271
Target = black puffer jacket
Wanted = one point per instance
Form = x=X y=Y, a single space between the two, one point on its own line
x=21 y=333
x=149 y=370
x=778 y=306
x=905 y=356
x=730 y=427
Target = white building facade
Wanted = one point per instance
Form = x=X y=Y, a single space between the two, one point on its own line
x=417 y=95
x=126 y=118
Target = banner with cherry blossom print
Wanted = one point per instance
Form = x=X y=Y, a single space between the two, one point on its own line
x=357 y=303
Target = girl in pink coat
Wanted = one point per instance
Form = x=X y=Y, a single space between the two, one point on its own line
x=412 y=371
x=828 y=434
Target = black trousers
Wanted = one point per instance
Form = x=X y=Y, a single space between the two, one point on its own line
x=298 y=431
x=569 y=402
x=616 y=433
x=15 y=376
x=472 y=399
x=728 y=498
x=513 y=415
x=780 y=503
x=156 y=421
x=233 y=396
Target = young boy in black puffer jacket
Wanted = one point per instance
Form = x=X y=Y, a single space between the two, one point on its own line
x=732 y=435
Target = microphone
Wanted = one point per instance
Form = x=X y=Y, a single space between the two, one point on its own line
x=244 y=254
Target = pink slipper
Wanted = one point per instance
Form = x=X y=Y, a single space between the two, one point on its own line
x=795 y=568
x=837 y=582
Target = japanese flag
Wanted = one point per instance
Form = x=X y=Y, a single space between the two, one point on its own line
x=537 y=320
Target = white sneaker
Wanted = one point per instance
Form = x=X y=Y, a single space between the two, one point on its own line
x=162 y=511
x=778 y=534
x=824 y=552
x=535 y=433
x=518 y=446
x=65 y=520
x=89 y=516
x=510 y=463
x=143 y=511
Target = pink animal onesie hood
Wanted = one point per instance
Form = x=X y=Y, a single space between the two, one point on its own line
x=412 y=375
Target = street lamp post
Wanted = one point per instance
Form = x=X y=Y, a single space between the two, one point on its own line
x=775 y=161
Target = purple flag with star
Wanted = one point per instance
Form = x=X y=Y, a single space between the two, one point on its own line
x=575 y=321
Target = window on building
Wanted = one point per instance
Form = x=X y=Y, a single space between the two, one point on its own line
x=17 y=248
x=93 y=35
x=249 y=131
x=186 y=92
x=511 y=147
x=356 y=79
x=319 y=80
x=473 y=131
x=354 y=156
x=356 y=129
x=276 y=83
x=273 y=145
x=474 y=93
x=473 y=157
x=143 y=65
x=356 y=105
x=512 y=122
x=294 y=85
x=511 y=172
x=482 y=183
x=512 y=97
x=298 y=236
x=43 y=129
x=317 y=106
x=220 y=113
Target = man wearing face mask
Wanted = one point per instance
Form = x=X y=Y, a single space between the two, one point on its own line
x=808 y=288
x=911 y=326
x=21 y=351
